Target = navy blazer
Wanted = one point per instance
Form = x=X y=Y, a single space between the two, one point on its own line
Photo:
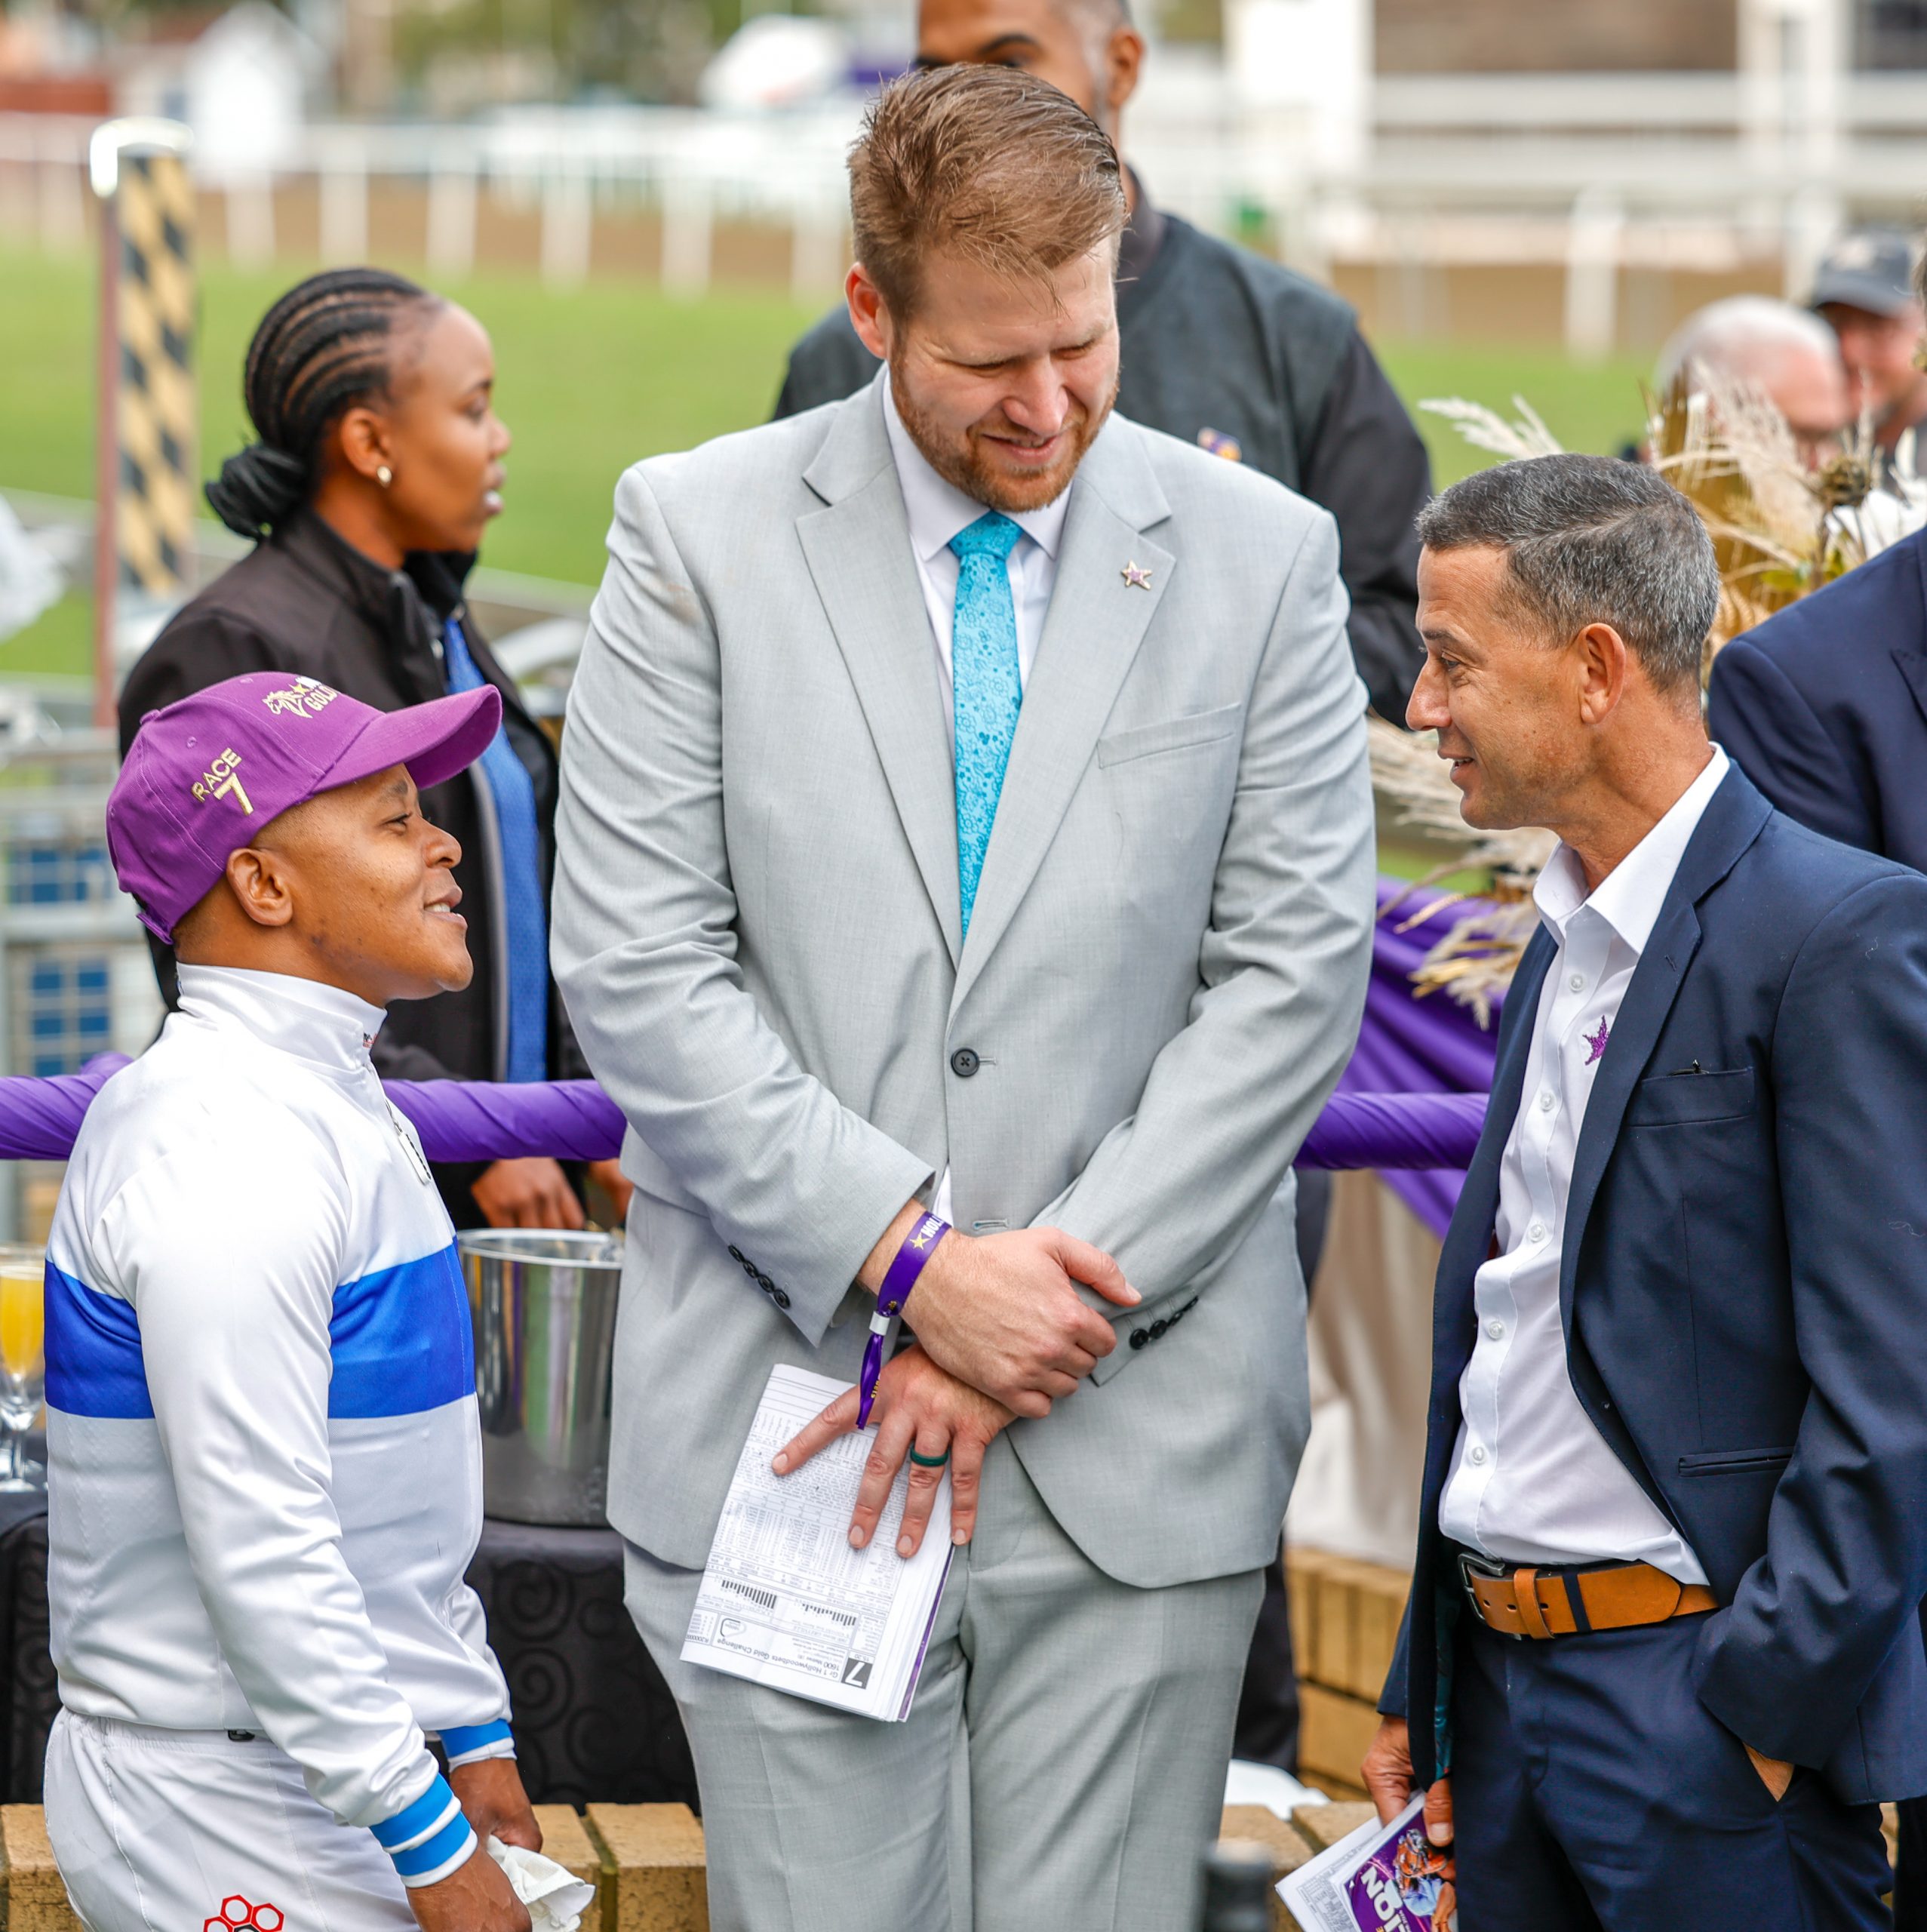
x=1825 y=705
x=1744 y=1289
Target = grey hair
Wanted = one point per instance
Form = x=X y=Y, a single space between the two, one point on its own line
x=1743 y=338
x=1591 y=539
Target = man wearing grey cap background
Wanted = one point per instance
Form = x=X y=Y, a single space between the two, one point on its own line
x=1864 y=291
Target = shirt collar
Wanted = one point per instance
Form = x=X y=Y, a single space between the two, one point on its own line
x=439 y=578
x=327 y=1024
x=938 y=510
x=1629 y=897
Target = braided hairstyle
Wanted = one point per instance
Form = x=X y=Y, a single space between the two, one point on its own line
x=324 y=347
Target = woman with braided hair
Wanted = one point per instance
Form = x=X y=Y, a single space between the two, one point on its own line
x=378 y=465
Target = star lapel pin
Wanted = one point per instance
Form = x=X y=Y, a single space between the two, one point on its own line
x=1136 y=576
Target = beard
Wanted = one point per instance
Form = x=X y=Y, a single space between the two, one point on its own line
x=971 y=467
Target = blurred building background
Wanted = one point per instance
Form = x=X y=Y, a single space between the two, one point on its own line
x=1582 y=173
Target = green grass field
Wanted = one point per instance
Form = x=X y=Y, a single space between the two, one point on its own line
x=588 y=382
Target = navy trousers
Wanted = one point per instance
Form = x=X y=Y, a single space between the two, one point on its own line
x=1591 y=1788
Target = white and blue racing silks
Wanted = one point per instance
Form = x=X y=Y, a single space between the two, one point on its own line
x=264 y=1456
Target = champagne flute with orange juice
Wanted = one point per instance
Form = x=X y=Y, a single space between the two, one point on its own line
x=23 y=1361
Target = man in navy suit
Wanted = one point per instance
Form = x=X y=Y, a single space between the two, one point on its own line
x=1824 y=706
x=1661 y=1661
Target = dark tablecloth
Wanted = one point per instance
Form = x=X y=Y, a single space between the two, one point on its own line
x=593 y=1720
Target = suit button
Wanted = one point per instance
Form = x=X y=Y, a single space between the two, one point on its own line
x=763 y=1282
x=781 y=1299
x=1139 y=1336
x=963 y=1063
x=1158 y=1328
x=736 y=1253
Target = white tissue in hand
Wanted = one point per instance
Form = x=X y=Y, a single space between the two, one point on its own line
x=556 y=1898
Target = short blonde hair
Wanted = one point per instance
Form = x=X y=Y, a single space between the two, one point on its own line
x=989 y=163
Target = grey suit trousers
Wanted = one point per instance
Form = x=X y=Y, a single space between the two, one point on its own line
x=1062 y=1770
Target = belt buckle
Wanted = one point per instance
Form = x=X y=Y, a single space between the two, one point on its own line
x=1471 y=1565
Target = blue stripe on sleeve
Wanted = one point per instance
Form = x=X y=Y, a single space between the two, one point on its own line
x=446 y=1845
x=424 y=1814
x=402 y=1340
x=461 y=1739
x=94 y=1361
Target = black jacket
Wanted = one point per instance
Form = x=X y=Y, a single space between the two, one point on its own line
x=307 y=603
x=1221 y=347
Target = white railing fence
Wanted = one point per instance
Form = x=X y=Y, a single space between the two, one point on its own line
x=1589 y=175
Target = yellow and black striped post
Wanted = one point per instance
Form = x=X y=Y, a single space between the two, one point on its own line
x=144 y=466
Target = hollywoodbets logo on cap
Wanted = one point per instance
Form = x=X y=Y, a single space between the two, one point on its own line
x=304 y=698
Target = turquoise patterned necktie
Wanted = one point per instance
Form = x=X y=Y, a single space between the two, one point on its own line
x=986 y=688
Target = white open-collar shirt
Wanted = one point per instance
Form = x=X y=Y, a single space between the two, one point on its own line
x=1532 y=1482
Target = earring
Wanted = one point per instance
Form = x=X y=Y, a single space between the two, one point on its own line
x=384 y=475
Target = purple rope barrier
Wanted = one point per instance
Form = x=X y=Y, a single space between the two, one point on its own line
x=574 y=1120
x=471 y=1120
x=1395 y=1131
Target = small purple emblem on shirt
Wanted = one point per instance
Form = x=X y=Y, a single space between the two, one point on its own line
x=1597 y=1041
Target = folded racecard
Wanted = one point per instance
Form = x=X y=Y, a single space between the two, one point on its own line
x=785 y=1601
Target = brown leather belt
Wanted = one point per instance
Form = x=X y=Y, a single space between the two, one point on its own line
x=1564 y=1603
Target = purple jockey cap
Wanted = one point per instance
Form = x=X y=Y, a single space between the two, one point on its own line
x=203 y=777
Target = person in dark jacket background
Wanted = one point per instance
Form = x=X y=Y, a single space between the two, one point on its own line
x=1220 y=347
x=1825 y=708
x=1824 y=705
x=378 y=465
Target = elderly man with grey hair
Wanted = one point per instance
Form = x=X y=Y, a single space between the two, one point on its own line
x=1788 y=355
x=1661 y=1661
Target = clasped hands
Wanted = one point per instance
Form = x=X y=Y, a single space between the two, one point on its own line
x=1001 y=1332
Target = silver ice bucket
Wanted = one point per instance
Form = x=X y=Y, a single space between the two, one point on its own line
x=544 y=1309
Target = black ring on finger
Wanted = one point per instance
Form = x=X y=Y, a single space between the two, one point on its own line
x=929 y=1462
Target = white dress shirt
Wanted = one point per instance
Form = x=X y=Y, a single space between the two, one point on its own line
x=937 y=510
x=1532 y=1482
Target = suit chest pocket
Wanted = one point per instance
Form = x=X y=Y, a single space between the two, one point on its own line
x=1737 y=1462
x=1689 y=1100
x=1168 y=734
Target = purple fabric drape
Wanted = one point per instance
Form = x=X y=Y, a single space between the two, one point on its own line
x=1411 y=1102
x=1414 y=1047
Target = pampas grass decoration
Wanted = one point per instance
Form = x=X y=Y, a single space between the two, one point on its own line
x=1779 y=531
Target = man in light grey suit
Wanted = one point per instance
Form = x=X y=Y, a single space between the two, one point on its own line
x=964 y=803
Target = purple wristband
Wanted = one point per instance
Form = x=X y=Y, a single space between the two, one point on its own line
x=899 y=1279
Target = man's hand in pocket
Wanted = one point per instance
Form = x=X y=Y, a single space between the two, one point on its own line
x=1775 y=1772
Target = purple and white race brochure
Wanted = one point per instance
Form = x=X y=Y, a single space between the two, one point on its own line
x=1379 y=1878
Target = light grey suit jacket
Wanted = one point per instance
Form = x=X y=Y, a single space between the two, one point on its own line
x=756 y=921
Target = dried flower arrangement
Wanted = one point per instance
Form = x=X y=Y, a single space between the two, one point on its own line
x=1779 y=531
